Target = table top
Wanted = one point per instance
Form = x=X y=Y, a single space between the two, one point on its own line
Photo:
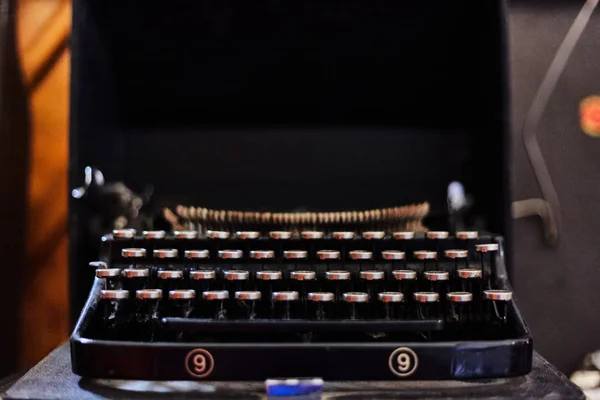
x=52 y=379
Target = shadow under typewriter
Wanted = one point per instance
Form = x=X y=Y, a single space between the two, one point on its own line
x=375 y=307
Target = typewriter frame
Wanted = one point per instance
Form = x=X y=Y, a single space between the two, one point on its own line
x=330 y=360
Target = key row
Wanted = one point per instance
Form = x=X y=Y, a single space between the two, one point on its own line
x=236 y=254
x=350 y=297
x=284 y=235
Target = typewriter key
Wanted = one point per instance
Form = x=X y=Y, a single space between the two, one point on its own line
x=343 y=235
x=457 y=255
x=110 y=276
x=247 y=235
x=437 y=235
x=132 y=273
x=269 y=282
x=280 y=235
x=426 y=256
x=268 y=275
x=391 y=304
x=373 y=235
x=124 y=233
x=115 y=317
x=499 y=304
x=147 y=314
x=438 y=281
x=181 y=303
x=133 y=253
x=372 y=282
x=328 y=255
x=236 y=279
x=357 y=302
x=303 y=282
x=217 y=235
x=185 y=234
x=403 y=235
x=197 y=254
x=427 y=304
x=458 y=303
x=135 y=278
x=363 y=257
x=338 y=282
x=154 y=234
x=396 y=258
x=230 y=254
x=483 y=249
x=295 y=255
x=215 y=303
x=320 y=304
x=282 y=302
x=407 y=281
x=262 y=254
x=312 y=235
x=165 y=253
x=247 y=302
x=467 y=235
x=169 y=279
x=200 y=275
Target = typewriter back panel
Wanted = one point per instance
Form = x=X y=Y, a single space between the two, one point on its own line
x=299 y=104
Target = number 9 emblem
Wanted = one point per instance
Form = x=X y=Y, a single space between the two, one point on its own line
x=199 y=363
x=403 y=362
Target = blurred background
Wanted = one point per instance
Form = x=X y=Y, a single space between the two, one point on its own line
x=557 y=286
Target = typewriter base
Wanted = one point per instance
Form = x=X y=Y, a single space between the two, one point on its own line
x=52 y=379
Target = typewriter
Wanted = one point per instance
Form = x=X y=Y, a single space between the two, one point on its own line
x=301 y=294
x=300 y=154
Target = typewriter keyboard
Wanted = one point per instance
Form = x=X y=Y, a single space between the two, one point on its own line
x=330 y=304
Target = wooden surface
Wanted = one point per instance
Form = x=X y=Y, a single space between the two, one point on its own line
x=43 y=29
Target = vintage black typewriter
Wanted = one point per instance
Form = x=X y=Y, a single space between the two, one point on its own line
x=341 y=130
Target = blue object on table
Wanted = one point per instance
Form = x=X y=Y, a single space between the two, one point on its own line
x=293 y=387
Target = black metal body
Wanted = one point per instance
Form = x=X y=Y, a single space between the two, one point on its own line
x=336 y=348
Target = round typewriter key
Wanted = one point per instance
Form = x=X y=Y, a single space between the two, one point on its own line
x=202 y=275
x=133 y=253
x=247 y=235
x=372 y=282
x=165 y=253
x=215 y=300
x=338 y=282
x=437 y=235
x=197 y=254
x=320 y=305
x=357 y=303
x=236 y=275
x=426 y=257
x=98 y=264
x=217 y=235
x=343 y=235
x=456 y=255
x=373 y=235
x=269 y=275
x=135 y=273
x=282 y=300
x=295 y=254
x=115 y=312
x=403 y=235
x=124 y=233
x=312 y=235
x=170 y=274
x=436 y=275
x=328 y=255
x=458 y=306
x=469 y=273
x=427 y=304
x=467 y=235
x=280 y=235
x=403 y=275
x=372 y=275
x=262 y=254
x=395 y=258
x=303 y=282
x=360 y=255
x=337 y=275
x=489 y=273
x=154 y=234
x=497 y=304
x=247 y=303
x=438 y=282
x=185 y=234
x=183 y=294
x=108 y=272
x=391 y=304
x=392 y=255
x=303 y=275
x=230 y=254
x=269 y=282
x=406 y=281
x=114 y=294
x=148 y=294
